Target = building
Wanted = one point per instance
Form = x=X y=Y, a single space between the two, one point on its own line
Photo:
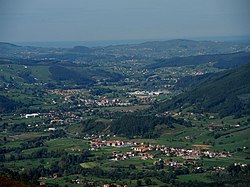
x=141 y=149
x=31 y=115
x=114 y=143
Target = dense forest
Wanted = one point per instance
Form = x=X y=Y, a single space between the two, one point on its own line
x=143 y=126
x=7 y=105
x=133 y=125
x=60 y=73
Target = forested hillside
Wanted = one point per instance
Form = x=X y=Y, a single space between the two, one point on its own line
x=144 y=126
x=227 y=92
x=6 y=104
x=60 y=73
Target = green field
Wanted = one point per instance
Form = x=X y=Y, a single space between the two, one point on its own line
x=195 y=177
x=68 y=144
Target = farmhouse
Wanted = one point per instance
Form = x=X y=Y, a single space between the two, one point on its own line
x=31 y=115
x=97 y=144
x=50 y=129
x=114 y=143
x=56 y=121
x=141 y=149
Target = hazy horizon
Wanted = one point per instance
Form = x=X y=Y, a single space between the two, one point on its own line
x=103 y=43
x=116 y=20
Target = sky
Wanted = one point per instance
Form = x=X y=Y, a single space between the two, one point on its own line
x=93 y=20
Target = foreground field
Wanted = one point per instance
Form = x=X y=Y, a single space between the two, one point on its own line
x=54 y=151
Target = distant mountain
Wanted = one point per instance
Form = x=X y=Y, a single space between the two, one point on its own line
x=146 y=51
x=8 y=48
x=177 y=48
x=223 y=61
x=212 y=45
x=7 y=45
x=80 y=49
x=227 y=93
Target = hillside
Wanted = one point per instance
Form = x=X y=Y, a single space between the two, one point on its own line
x=227 y=93
x=19 y=71
x=176 y=48
x=222 y=61
x=148 y=50
x=60 y=73
x=133 y=125
x=7 y=105
x=144 y=126
x=4 y=45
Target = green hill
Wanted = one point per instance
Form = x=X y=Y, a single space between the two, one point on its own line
x=19 y=71
x=223 y=61
x=7 y=105
x=60 y=73
x=227 y=93
x=144 y=126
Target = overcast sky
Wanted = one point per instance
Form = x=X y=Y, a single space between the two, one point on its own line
x=93 y=20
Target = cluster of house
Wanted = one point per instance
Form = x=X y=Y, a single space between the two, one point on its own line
x=191 y=154
x=137 y=149
x=97 y=143
x=79 y=181
x=64 y=92
x=59 y=117
x=41 y=115
x=149 y=93
x=218 y=168
x=146 y=151
x=198 y=73
x=177 y=164
x=105 y=102
x=133 y=153
x=239 y=164
x=114 y=185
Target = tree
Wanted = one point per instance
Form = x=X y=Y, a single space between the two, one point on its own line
x=132 y=166
x=148 y=181
x=2 y=158
x=139 y=183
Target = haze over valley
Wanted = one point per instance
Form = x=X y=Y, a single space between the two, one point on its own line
x=124 y=109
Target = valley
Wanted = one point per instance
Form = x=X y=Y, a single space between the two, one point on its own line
x=173 y=113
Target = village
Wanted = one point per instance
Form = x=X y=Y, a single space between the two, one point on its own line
x=149 y=151
x=78 y=98
x=161 y=155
